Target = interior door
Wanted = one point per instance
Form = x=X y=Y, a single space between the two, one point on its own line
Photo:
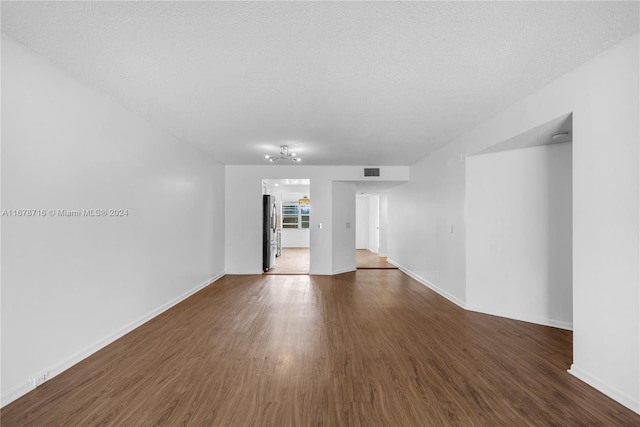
x=362 y=222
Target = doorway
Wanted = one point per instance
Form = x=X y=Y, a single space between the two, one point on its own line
x=370 y=218
x=293 y=213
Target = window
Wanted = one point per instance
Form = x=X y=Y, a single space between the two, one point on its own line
x=295 y=216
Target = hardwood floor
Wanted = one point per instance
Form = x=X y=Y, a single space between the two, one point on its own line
x=367 y=348
x=296 y=261
x=292 y=261
x=367 y=259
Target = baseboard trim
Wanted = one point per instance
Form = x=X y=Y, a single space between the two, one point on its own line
x=20 y=391
x=514 y=316
x=457 y=301
x=612 y=392
x=343 y=270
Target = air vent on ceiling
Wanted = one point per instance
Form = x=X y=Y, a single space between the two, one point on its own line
x=371 y=171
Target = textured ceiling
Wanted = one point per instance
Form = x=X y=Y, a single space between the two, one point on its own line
x=343 y=83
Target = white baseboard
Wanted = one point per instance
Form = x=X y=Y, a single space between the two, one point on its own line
x=617 y=395
x=343 y=270
x=524 y=318
x=457 y=301
x=20 y=391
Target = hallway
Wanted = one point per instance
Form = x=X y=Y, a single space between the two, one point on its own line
x=366 y=259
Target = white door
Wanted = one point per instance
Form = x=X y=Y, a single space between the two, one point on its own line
x=374 y=223
x=362 y=222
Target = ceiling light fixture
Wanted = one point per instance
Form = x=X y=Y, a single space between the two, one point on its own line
x=284 y=155
x=305 y=201
x=560 y=135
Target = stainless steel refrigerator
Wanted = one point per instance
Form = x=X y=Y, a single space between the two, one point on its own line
x=269 y=239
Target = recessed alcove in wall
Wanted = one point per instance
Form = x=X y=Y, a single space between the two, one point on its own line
x=556 y=131
x=518 y=212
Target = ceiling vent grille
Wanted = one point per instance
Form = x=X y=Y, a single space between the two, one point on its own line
x=371 y=171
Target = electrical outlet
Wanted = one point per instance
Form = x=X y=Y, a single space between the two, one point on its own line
x=42 y=378
x=38 y=380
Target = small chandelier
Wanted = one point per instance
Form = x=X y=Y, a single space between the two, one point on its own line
x=284 y=155
x=305 y=201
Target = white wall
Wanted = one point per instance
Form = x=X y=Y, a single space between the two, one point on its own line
x=421 y=213
x=384 y=223
x=518 y=222
x=243 y=189
x=606 y=223
x=374 y=223
x=71 y=285
x=344 y=227
x=603 y=96
x=368 y=222
x=362 y=222
x=292 y=238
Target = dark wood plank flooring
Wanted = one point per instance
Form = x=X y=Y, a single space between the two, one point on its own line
x=367 y=259
x=367 y=348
